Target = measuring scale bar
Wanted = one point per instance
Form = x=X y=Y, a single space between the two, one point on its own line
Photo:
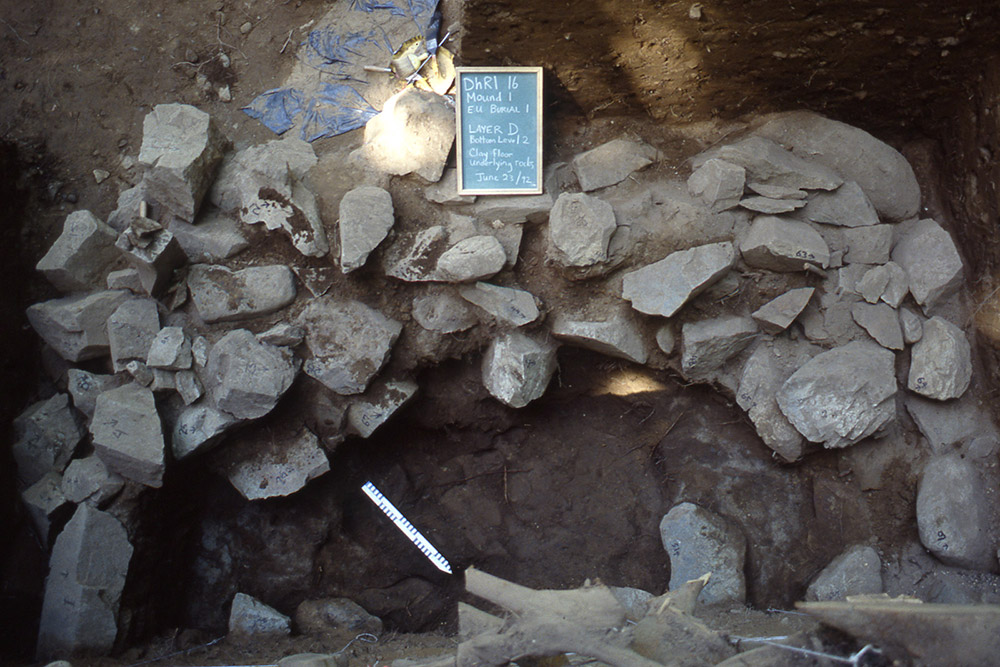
x=421 y=542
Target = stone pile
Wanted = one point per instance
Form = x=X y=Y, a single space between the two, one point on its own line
x=200 y=334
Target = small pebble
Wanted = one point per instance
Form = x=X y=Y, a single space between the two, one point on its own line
x=225 y=94
x=101 y=175
x=246 y=27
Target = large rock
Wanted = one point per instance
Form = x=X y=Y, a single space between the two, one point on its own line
x=515 y=208
x=366 y=216
x=321 y=616
x=842 y=396
x=378 y=404
x=507 y=305
x=127 y=434
x=415 y=259
x=442 y=312
x=295 y=213
x=769 y=164
x=251 y=618
x=931 y=261
x=274 y=165
x=707 y=344
x=198 y=428
x=700 y=542
x=778 y=314
x=85 y=387
x=847 y=206
x=868 y=245
x=517 y=369
x=663 y=287
x=611 y=163
x=153 y=252
x=246 y=377
x=771 y=206
x=718 y=184
x=881 y=171
x=261 y=465
x=81 y=256
x=617 y=335
x=83 y=591
x=471 y=258
x=76 y=326
x=952 y=514
x=857 y=571
x=580 y=228
x=223 y=295
x=45 y=435
x=131 y=330
x=881 y=322
x=778 y=244
x=181 y=150
x=90 y=480
x=413 y=134
x=349 y=342
x=170 y=350
x=215 y=237
x=940 y=362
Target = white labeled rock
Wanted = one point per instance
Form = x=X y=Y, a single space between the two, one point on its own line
x=85 y=387
x=611 y=163
x=198 y=428
x=778 y=314
x=768 y=163
x=79 y=259
x=170 y=350
x=45 y=435
x=90 y=480
x=83 y=591
x=778 y=244
x=223 y=295
x=663 y=287
x=617 y=335
x=868 y=245
x=76 y=326
x=842 y=396
x=847 y=206
x=249 y=617
x=707 y=344
x=246 y=377
x=349 y=341
x=442 y=312
x=699 y=542
x=131 y=329
x=857 y=571
x=517 y=369
x=215 y=237
x=508 y=305
x=263 y=466
x=940 y=362
x=127 y=434
x=881 y=322
x=931 y=261
x=42 y=500
x=718 y=184
x=366 y=216
x=365 y=415
x=413 y=134
x=580 y=228
x=952 y=514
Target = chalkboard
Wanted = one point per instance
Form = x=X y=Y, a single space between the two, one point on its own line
x=499 y=130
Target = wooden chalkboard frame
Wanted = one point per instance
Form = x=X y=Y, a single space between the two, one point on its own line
x=460 y=131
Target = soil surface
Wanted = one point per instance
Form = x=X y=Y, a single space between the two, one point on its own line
x=573 y=486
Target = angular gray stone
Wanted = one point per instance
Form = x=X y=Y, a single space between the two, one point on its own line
x=948 y=425
x=768 y=163
x=912 y=324
x=663 y=287
x=45 y=435
x=517 y=369
x=125 y=279
x=76 y=326
x=223 y=295
x=635 y=601
x=770 y=206
x=140 y=372
x=79 y=259
x=665 y=338
x=127 y=434
x=952 y=514
x=508 y=305
x=83 y=591
x=778 y=314
x=85 y=387
x=857 y=571
x=318 y=279
x=445 y=191
x=847 y=206
x=319 y=617
x=873 y=284
x=777 y=191
x=199 y=350
x=275 y=164
x=881 y=322
x=90 y=480
x=246 y=377
x=898 y=286
x=868 y=245
x=515 y=208
x=611 y=163
x=617 y=335
x=471 y=258
x=931 y=261
x=349 y=341
x=698 y=542
x=707 y=344
x=283 y=333
x=296 y=214
x=215 y=237
x=843 y=395
x=131 y=330
x=198 y=428
x=779 y=244
x=249 y=617
x=580 y=228
x=155 y=257
x=509 y=234
x=378 y=404
x=442 y=312
x=163 y=380
x=170 y=350
x=881 y=171
x=717 y=184
x=940 y=362
x=261 y=465
x=416 y=260
x=43 y=499
x=366 y=216
x=188 y=386
x=181 y=150
x=413 y=134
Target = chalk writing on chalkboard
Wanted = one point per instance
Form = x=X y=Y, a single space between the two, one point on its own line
x=499 y=130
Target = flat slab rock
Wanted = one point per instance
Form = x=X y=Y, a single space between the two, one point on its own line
x=847 y=206
x=223 y=295
x=768 y=163
x=617 y=336
x=780 y=244
x=508 y=305
x=778 y=314
x=366 y=216
x=379 y=403
x=262 y=466
x=718 y=184
x=611 y=163
x=663 y=287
